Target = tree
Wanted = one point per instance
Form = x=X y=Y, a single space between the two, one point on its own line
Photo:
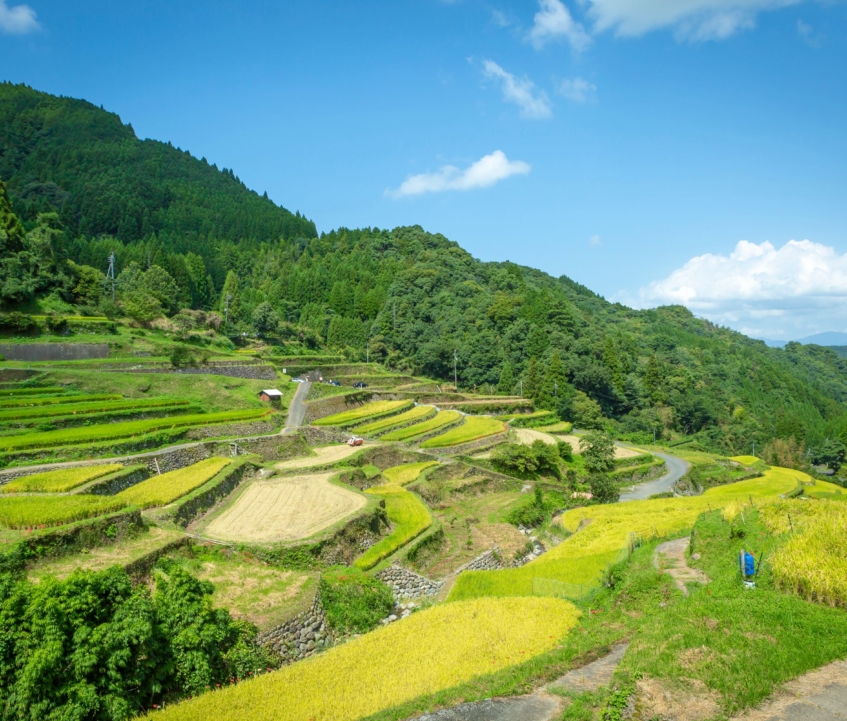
x=265 y=319
x=142 y=307
x=604 y=489
x=88 y=284
x=785 y=453
x=12 y=233
x=230 y=301
x=831 y=453
x=586 y=412
x=653 y=379
x=506 y=385
x=532 y=384
x=598 y=452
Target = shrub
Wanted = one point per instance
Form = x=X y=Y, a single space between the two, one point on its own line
x=604 y=489
x=17 y=322
x=58 y=481
x=166 y=488
x=598 y=452
x=354 y=602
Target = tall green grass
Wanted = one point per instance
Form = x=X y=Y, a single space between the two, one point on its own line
x=43 y=390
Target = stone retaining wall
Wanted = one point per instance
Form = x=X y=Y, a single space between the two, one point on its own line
x=120 y=481
x=53 y=351
x=259 y=428
x=490 y=560
x=304 y=635
x=408 y=584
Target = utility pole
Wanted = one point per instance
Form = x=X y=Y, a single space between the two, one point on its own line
x=226 y=308
x=368 y=353
x=521 y=390
x=754 y=449
x=455 y=372
x=110 y=274
x=555 y=389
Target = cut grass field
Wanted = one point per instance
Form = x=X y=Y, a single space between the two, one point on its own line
x=123 y=552
x=38 y=511
x=583 y=557
x=442 y=418
x=69 y=409
x=111 y=431
x=369 y=410
x=415 y=414
x=427 y=652
x=410 y=517
x=59 y=481
x=284 y=509
x=56 y=400
x=473 y=429
x=168 y=487
x=405 y=474
x=528 y=436
x=249 y=589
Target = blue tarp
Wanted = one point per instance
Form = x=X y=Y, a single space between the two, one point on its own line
x=747 y=563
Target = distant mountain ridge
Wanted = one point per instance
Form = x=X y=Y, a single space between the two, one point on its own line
x=826 y=339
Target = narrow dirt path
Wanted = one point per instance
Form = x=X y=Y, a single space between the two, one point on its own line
x=669 y=557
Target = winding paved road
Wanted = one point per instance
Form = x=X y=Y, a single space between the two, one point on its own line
x=677 y=468
x=297 y=409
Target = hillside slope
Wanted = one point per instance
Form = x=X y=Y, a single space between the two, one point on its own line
x=406 y=297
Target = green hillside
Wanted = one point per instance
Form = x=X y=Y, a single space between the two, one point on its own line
x=188 y=235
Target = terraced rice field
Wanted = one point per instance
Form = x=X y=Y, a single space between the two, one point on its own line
x=112 y=431
x=42 y=390
x=70 y=409
x=415 y=414
x=619 y=451
x=561 y=427
x=168 y=487
x=39 y=511
x=405 y=474
x=324 y=455
x=285 y=509
x=369 y=410
x=442 y=418
x=410 y=517
x=582 y=557
x=56 y=400
x=59 y=481
x=473 y=429
x=429 y=651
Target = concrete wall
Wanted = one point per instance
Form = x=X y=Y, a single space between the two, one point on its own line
x=53 y=351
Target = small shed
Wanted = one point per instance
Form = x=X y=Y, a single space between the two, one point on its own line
x=270 y=395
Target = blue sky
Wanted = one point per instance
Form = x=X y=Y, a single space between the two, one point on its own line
x=631 y=145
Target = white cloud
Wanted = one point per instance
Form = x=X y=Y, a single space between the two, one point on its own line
x=554 y=22
x=691 y=19
x=578 y=90
x=792 y=291
x=520 y=91
x=485 y=172
x=17 y=20
x=594 y=241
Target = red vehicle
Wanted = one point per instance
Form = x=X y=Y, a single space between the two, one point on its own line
x=355 y=441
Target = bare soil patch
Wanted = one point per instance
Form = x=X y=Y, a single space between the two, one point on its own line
x=323 y=456
x=285 y=509
x=688 y=700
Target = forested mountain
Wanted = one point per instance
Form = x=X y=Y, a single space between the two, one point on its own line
x=187 y=235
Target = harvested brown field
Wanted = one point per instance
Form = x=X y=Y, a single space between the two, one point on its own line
x=527 y=436
x=324 y=455
x=619 y=452
x=284 y=509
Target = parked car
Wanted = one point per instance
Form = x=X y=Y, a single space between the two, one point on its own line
x=334 y=383
x=297 y=380
x=355 y=441
x=360 y=384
